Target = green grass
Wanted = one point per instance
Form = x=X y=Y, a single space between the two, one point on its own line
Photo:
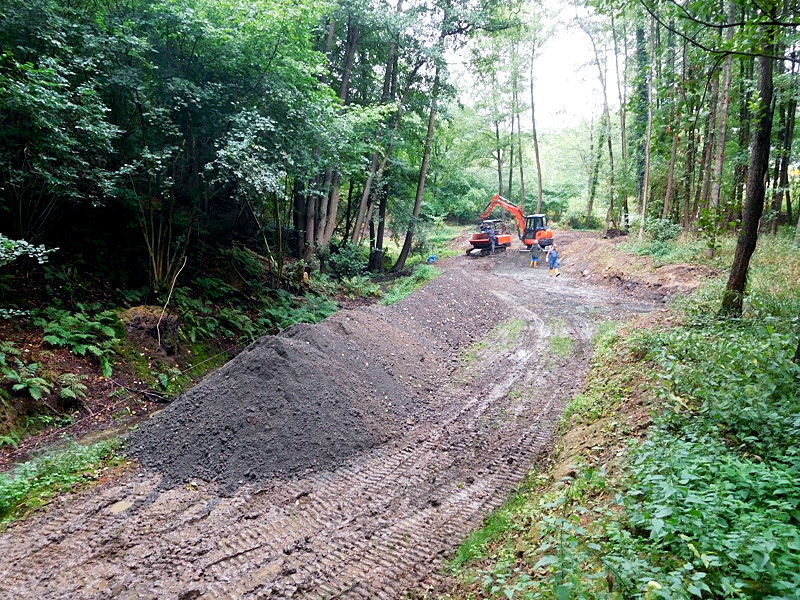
x=560 y=346
x=497 y=524
x=405 y=285
x=504 y=335
x=32 y=484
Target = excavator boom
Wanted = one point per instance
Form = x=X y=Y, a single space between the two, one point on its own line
x=498 y=200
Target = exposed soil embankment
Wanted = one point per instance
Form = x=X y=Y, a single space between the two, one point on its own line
x=592 y=257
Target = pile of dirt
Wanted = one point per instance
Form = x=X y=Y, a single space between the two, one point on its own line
x=308 y=398
x=315 y=395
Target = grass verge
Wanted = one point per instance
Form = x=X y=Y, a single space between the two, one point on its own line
x=31 y=485
x=405 y=285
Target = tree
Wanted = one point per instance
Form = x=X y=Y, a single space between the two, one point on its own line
x=759 y=162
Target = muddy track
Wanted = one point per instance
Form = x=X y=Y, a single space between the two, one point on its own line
x=374 y=528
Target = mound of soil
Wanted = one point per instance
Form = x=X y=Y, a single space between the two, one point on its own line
x=308 y=398
x=315 y=395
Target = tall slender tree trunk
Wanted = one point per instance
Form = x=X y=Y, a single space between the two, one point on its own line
x=423 y=173
x=709 y=144
x=499 y=157
x=521 y=163
x=348 y=218
x=511 y=159
x=722 y=131
x=621 y=87
x=607 y=118
x=539 y=184
x=676 y=138
x=376 y=251
x=365 y=194
x=733 y=296
x=640 y=113
x=649 y=133
x=688 y=177
x=721 y=138
x=594 y=171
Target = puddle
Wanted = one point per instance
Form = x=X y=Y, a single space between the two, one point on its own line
x=120 y=506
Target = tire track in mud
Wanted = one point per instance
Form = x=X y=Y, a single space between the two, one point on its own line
x=372 y=529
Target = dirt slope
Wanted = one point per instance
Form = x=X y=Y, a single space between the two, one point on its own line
x=367 y=446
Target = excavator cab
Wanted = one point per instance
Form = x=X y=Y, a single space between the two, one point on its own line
x=537 y=231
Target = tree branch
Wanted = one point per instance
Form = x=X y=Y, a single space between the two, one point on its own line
x=697 y=44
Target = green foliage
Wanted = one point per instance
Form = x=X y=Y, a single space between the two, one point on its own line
x=405 y=285
x=359 y=287
x=11 y=438
x=25 y=379
x=72 y=386
x=31 y=484
x=10 y=250
x=287 y=311
x=82 y=334
x=577 y=220
x=662 y=230
x=347 y=261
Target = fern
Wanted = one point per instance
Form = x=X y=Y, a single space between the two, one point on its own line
x=82 y=335
x=25 y=379
x=72 y=387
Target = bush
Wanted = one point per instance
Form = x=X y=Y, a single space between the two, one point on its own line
x=662 y=230
x=346 y=261
x=82 y=334
x=577 y=220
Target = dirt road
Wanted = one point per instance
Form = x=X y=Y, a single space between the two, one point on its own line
x=378 y=523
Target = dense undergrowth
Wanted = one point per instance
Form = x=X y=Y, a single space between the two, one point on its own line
x=705 y=502
x=32 y=484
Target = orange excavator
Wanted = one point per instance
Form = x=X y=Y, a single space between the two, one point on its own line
x=533 y=230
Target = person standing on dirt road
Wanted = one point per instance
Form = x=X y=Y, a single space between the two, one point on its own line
x=552 y=260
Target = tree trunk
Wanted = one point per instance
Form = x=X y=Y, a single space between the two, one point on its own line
x=676 y=138
x=688 y=177
x=376 y=250
x=607 y=117
x=754 y=202
x=539 y=185
x=521 y=164
x=362 y=207
x=649 y=134
x=719 y=155
x=348 y=218
x=640 y=121
x=423 y=173
x=298 y=218
x=511 y=160
x=621 y=87
x=595 y=169
x=710 y=142
x=499 y=157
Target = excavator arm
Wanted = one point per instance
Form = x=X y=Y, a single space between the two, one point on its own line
x=498 y=200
